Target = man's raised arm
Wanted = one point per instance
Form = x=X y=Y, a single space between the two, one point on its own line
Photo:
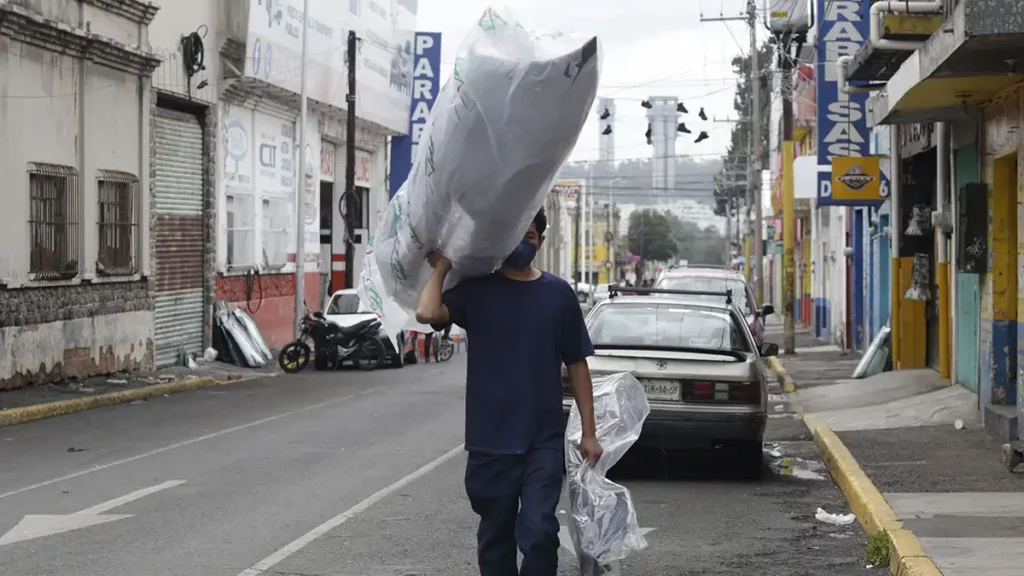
x=431 y=309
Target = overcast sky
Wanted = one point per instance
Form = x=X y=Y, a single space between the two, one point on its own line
x=651 y=48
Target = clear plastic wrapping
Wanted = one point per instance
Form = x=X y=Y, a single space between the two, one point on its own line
x=500 y=129
x=602 y=518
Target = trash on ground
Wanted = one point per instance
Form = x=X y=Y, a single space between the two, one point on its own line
x=236 y=339
x=117 y=382
x=475 y=185
x=835 y=519
x=602 y=521
x=959 y=424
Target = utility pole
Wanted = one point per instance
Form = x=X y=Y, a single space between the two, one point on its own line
x=755 y=160
x=788 y=215
x=753 y=184
x=300 y=186
x=576 y=257
x=748 y=252
x=351 y=205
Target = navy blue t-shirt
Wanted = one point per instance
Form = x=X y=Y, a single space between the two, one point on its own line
x=521 y=332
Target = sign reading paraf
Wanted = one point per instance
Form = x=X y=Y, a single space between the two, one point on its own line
x=843 y=26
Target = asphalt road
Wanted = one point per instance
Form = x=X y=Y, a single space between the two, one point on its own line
x=360 y=474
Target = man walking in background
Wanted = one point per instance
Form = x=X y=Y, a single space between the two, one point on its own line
x=525 y=325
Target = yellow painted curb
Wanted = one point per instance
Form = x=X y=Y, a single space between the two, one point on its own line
x=21 y=415
x=907 y=557
x=780 y=372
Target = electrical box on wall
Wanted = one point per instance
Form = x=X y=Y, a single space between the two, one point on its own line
x=972 y=228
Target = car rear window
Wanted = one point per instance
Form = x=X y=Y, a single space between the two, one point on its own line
x=665 y=326
x=711 y=284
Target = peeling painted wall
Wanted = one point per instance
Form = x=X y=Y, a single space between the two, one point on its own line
x=81 y=347
x=1002 y=340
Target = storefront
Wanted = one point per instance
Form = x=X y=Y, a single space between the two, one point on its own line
x=917 y=287
x=179 y=218
x=263 y=189
x=257 y=254
x=366 y=202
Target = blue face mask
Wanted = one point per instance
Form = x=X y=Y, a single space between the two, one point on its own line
x=522 y=256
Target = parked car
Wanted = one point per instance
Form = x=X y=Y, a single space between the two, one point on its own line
x=699 y=366
x=346 y=309
x=719 y=280
x=585 y=296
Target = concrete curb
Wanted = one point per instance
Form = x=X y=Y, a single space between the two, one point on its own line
x=906 y=556
x=780 y=372
x=21 y=415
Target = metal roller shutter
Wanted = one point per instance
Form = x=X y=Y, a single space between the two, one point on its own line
x=178 y=235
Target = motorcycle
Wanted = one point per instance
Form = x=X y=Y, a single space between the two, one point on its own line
x=444 y=347
x=333 y=345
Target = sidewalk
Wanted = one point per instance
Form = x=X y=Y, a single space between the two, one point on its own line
x=74 y=395
x=890 y=441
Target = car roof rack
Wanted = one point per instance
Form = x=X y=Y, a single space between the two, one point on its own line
x=613 y=290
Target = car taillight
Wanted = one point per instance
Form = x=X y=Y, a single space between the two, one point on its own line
x=724 y=392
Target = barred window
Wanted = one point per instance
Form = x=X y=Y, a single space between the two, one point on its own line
x=118 y=195
x=54 y=196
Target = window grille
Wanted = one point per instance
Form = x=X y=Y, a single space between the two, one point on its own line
x=54 y=200
x=118 y=222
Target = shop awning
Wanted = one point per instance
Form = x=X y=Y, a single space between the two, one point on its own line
x=974 y=57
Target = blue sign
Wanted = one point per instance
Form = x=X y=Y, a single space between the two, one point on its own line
x=426 y=83
x=843 y=26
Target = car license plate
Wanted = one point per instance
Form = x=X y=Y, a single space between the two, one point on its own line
x=661 y=389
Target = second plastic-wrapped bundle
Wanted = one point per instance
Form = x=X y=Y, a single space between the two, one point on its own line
x=602 y=518
x=500 y=129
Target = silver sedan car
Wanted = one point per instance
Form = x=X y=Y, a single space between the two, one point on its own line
x=698 y=363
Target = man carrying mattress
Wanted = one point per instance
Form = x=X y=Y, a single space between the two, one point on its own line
x=525 y=325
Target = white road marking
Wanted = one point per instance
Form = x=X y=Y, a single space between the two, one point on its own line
x=99 y=467
x=306 y=539
x=35 y=526
x=566 y=540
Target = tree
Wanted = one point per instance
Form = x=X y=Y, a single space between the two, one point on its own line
x=734 y=165
x=650 y=236
x=695 y=245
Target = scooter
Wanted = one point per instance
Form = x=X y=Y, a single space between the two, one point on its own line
x=332 y=345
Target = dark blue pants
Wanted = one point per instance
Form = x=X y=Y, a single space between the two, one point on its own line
x=516 y=497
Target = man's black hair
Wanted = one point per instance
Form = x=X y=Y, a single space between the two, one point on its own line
x=541 y=221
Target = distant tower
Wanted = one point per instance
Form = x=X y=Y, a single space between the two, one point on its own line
x=664 y=119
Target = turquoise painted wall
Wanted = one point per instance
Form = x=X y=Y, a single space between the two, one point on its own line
x=968 y=290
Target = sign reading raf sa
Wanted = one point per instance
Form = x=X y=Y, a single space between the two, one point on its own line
x=426 y=84
x=842 y=131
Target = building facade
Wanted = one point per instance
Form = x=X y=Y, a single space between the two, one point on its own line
x=153 y=155
x=944 y=77
x=78 y=278
x=259 y=160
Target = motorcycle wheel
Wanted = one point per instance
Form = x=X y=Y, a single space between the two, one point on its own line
x=294 y=357
x=445 y=349
x=371 y=354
